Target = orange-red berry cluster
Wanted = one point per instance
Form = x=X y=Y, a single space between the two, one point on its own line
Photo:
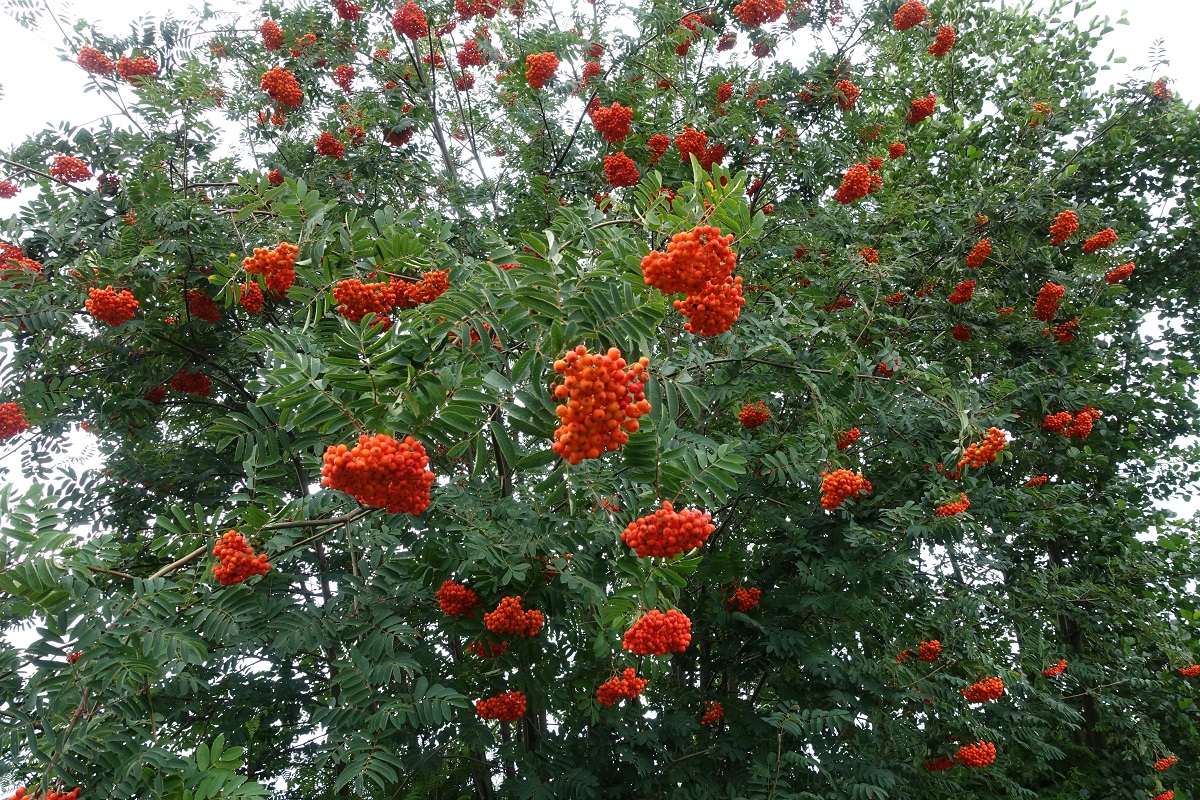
x=433 y=284
x=602 y=403
x=507 y=707
x=620 y=170
x=328 y=145
x=984 y=452
x=282 y=87
x=962 y=333
x=510 y=618
x=693 y=259
x=343 y=76
x=846 y=98
x=196 y=383
x=984 y=691
x=908 y=15
x=929 y=651
x=272 y=34
x=21 y=794
x=942 y=42
x=1063 y=227
x=940 y=764
x=251 y=297
x=1190 y=672
x=745 y=600
x=357 y=299
x=922 y=109
x=134 y=69
x=953 y=508
x=896 y=150
x=666 y=533
x=753 y=415
x=1048 y=299
x=962 y=293
x=12 y=421
x=658 y=144
x=613 y=122
x=201 y=306
x=1165 y=763
x=753 y=13
x=111 y=308
x=409 y=20
x=69 y=169
x=657 y=634
x=1169 y=794
x=869 y=255
x=1120 y=273
x=381 y=472
x=979 y=254
x=1073 y=426
x=856 y=184
x=237 y=560
x=74 y=657
x=347 y=10
x=541 y=68
x=1054 y=670
x=845 y=440
x=976 y=755
x=625 y=686
x=93 y=61
x=485 y=649
x=1103 y=239
x=712 y=713
x=456 y=600
x=840 y=485
x=714 y=309
x=277 y=264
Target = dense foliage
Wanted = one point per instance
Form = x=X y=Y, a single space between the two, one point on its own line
x=488 y=300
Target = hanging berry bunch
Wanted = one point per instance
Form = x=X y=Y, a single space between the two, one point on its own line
x=984 y=691
x=201 y=306
x=1165 y=763
x=962 y=293
x=511 y=619
x=111 y=308
x=1103 y=239
x=135 y=70
x=753 y=415
x=1049 y=296
x=625 y=686
x=943 y=41
x=692 y=260
x=409 y=20
x=277 y=264
x=251 y=297
x=507 y=707
x=657 y=634
x=12 y=421
x=745 y=600
x=357 y=299
x=613 y=122
x=620 y=170
x=921 y=109
x=979 y=254
x=541 y=68
x=1120 y=273
x=282 y=87
x=1054 y=670
x=753 y=13
x=196 y=383
x=712 y=713
x=456 y=600
x=840 y=485
x=856 y=184
x=666 y=533
x=602 y=403
x=976 y=755
x=929 y=651
x=847 y=439
x=979 y=454
x=237 y=560
x=1063 y=227
x=94 y=62
x=381 y=472
x=69 y=169
x=909 y=15
x=953 y=508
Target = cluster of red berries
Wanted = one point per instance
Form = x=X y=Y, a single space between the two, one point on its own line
x=456 y=600
x=74 y=657
x=922 y=109
x=845 y=440
x=984 y=691
x=666 y=533
x=1054 y=670
x=657 y=634
x=976 y=755
x=381 y=472
x=753 y=415
x=839 y=304
x=282 y=87
x=613 y=122
x=984 y=452
x=134 y=69
x=1103 y=239
x=713 y=310
x=979 y=254
x=962 y=333
x=1064 y=332
x=856 y=184
x=1169 y=794
x=940 y=764
x=869 y=255
x=712 y=713
x=1036 y=481
x=591 y=69
x=840 y=485
x=507 y=707
x=894 y=299
x=9 y=190
x=953 y=508
x=251 y=297
x=328 y=145
x=942 y=42
x=272 y=34
x=1159 y=90
x=658 y=144
x=691 y=142
x=753 y=13
x=409 y=20
x=433 y=284
x=347 y=10
x=693 y=259
x=237 y=560
x=196 y=383
x=465 y=82
x=745 y=600
x=485 y=649
x=357 y=299
x=470 y=55
x=343 y=76
x=1190 y=672
x=1063 y=227
x=541 y=68
x=12 y=421
x=603 y=403
x=847 y=95
x=1049 y=296
x=896 y=150
x=724 y=92
x=510 y=618
x=94 y=62
x=277 y=264
x=1120 y=273
x=1073 y=426
x=21 y=794
x=929 y=651
x=620 y=170
x=908 y=15
x=962 y=293
x=1165 y=763
x=69 y=169
x=201 y=306
x=625 y=686
x=110 y=307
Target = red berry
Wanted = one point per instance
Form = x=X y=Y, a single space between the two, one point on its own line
x=381 y=472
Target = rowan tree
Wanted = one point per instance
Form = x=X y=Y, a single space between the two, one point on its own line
x=388 y=320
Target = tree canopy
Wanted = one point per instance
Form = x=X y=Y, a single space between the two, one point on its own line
x=620 y=400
